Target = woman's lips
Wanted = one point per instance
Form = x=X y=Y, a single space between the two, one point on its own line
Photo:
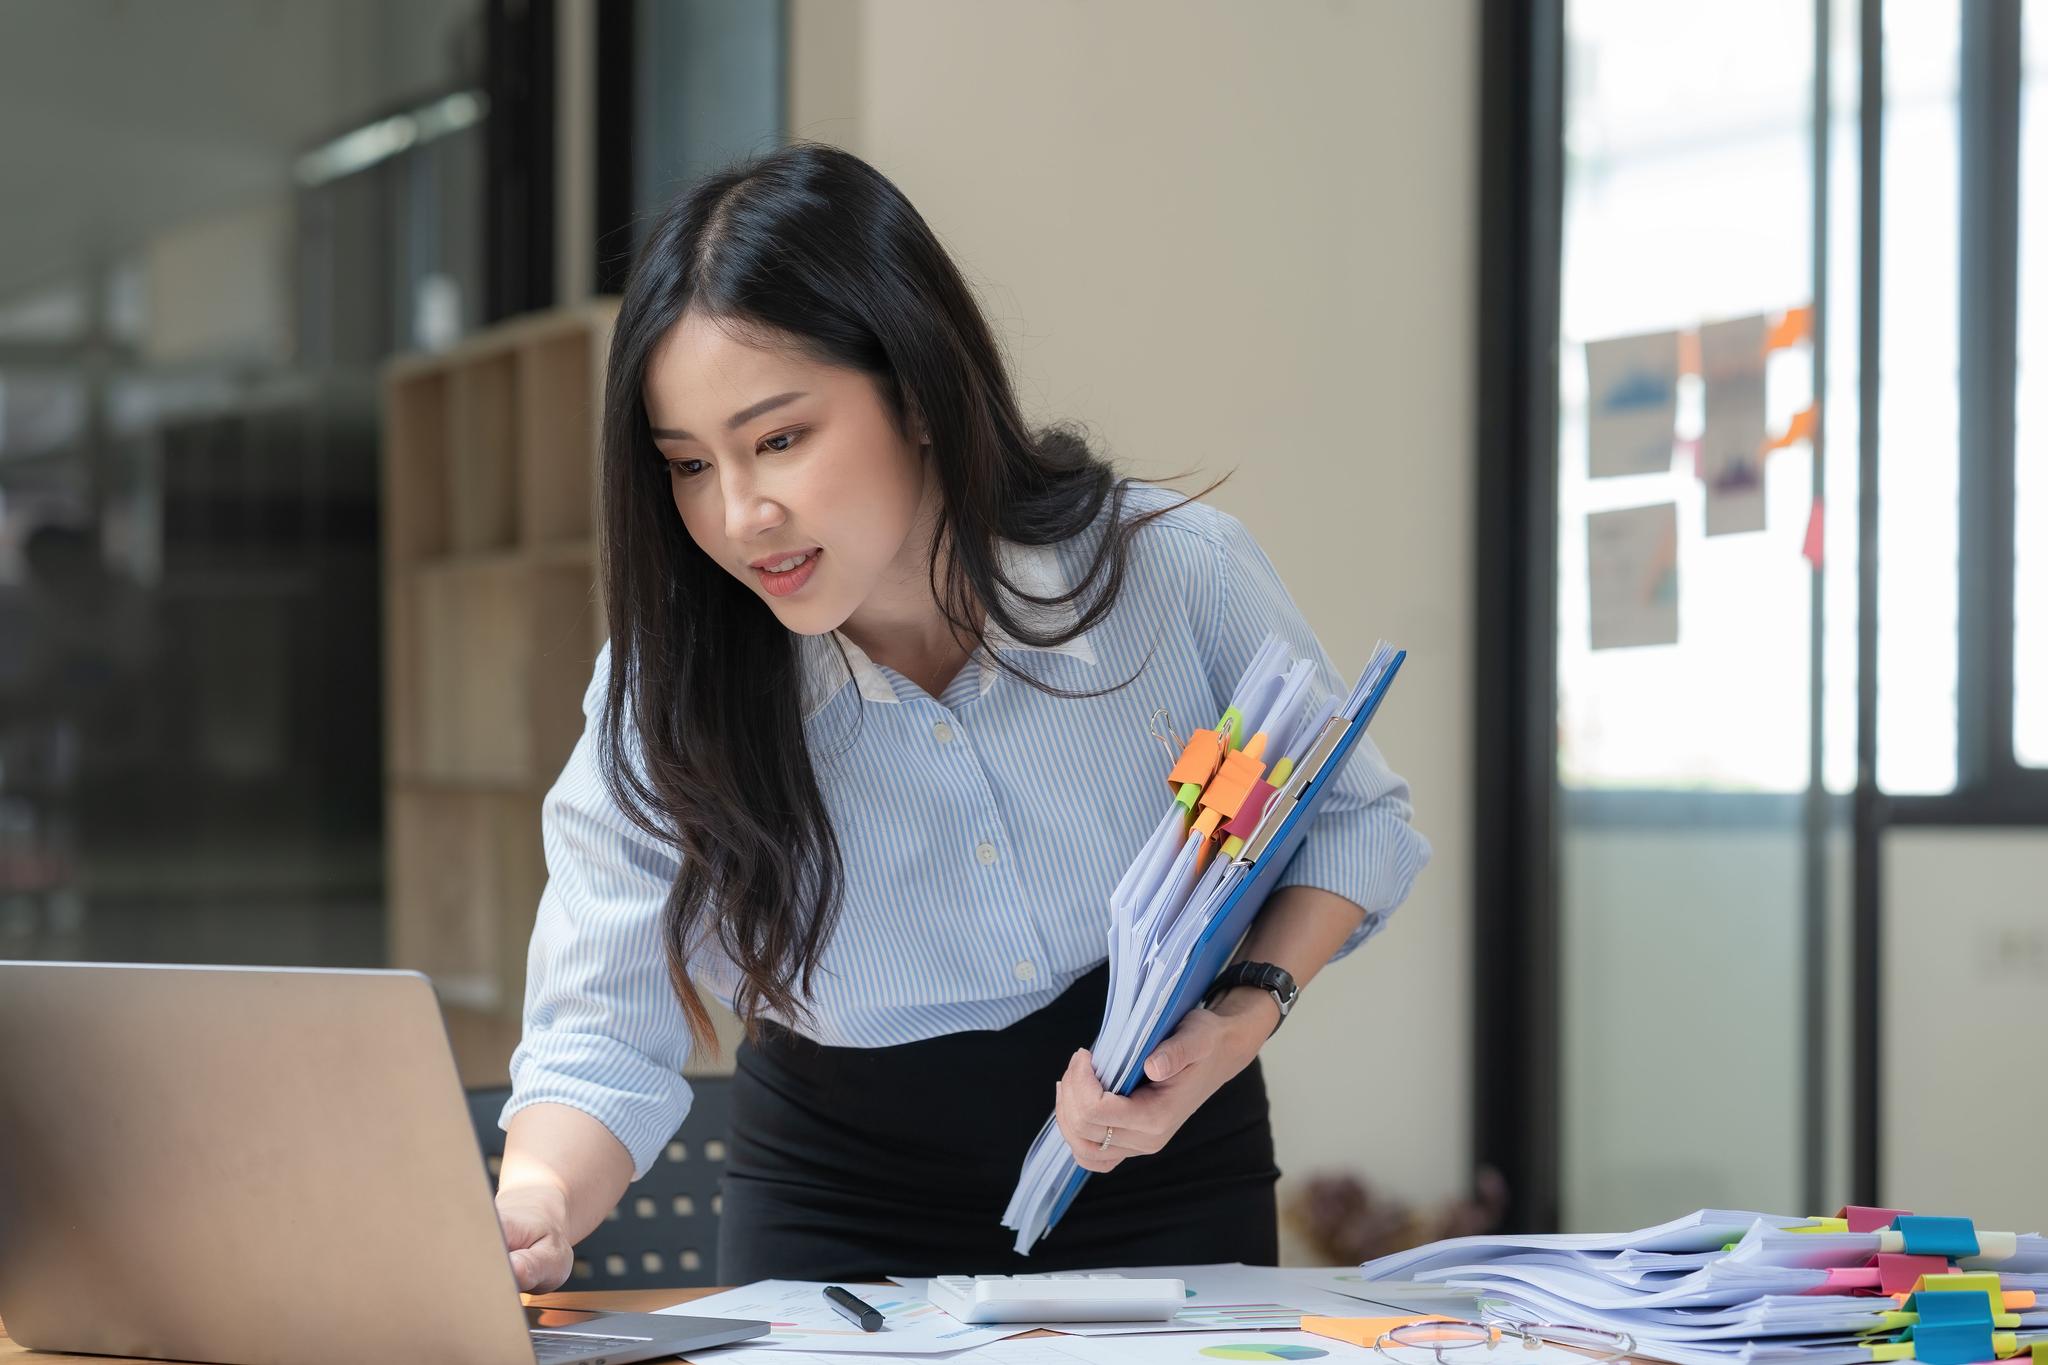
x=783 y=584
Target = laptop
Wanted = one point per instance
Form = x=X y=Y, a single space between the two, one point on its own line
x=246 y=1165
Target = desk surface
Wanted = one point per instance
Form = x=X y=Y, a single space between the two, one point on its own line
x=622 y=1300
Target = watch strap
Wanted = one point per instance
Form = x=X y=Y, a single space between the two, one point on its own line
x=1276 y=981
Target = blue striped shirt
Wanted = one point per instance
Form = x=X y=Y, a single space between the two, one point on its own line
x=982 y=830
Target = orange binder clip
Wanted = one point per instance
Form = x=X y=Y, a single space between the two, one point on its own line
x=1240 y=771
x=1198 y=762
x=1195 y=766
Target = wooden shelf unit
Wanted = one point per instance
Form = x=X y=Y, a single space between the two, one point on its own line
x=491 y=624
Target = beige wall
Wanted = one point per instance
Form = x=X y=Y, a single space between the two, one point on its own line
x=1243 y=235
x=1965 y=985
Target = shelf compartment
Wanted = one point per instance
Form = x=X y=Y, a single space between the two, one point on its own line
x=483 y=457
x=560 y=410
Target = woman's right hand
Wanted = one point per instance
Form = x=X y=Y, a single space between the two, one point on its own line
x=533 y=1218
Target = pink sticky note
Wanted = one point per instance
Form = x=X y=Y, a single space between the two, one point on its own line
x=1848 y=1279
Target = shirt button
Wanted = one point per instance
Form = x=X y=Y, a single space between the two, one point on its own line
x=1025 y=971
x=986 y=852
x=943 y=733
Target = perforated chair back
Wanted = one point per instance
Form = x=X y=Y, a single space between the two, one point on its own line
x=664 y=1233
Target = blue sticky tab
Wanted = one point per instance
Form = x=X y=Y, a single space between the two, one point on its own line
x=1954 y=1329
x=1950 y=1237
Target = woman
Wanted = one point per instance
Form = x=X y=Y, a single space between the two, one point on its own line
x=866 y=753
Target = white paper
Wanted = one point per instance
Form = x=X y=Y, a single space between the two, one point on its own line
x=1015 y=1351
x=1632 y=575
x=1631 y=404
x=1210 y=1349
x=1704 y=1231
x=802 y=1320
x=1732 y=441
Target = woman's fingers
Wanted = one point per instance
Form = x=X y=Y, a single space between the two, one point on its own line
x=1087 y=1112
x=1140 y=1123
x=1088 y=1155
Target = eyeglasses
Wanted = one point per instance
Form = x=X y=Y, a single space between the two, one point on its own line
x=1443 y=1339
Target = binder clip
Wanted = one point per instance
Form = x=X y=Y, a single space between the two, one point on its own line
x=1924 y=1236
x=1955 y=1329
x=1861 y=1219
x=1199 y=759
x=1898 y=1273
x=1981 y=1283
x=1235 y=777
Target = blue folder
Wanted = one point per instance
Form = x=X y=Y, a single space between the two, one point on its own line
x=1233 y=919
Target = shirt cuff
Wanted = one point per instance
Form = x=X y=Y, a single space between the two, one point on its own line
x=641 y=1103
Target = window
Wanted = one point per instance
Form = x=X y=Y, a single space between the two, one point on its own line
x=1688 y=189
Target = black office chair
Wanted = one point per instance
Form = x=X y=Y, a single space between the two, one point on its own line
x=664 y=1233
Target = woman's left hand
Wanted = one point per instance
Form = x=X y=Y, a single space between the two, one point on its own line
x=1208 y=1048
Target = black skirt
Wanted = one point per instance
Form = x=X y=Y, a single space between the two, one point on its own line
x=852 y=1163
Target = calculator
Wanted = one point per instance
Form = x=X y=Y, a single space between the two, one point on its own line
x=1056 y=1298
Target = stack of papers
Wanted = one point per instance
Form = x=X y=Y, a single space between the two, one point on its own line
x=1231 y=825
x=1731 y=1288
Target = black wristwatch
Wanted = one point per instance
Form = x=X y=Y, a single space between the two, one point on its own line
x=1275 y=981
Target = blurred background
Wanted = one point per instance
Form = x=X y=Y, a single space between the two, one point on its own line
x=1740 y=837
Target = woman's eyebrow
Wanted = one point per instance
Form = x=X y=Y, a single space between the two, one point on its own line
x=732 y=423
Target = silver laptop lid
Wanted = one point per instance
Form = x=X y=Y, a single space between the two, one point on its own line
x=242 y=1165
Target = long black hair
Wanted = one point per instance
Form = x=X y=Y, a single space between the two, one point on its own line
x=808 y=247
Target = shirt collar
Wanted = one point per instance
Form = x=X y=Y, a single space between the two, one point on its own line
x=1033 y=568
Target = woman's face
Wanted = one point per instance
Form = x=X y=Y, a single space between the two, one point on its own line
x=773 y=458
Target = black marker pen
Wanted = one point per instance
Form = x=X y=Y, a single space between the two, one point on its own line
x=867 y=1317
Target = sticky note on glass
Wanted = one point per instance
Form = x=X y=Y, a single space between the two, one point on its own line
x=1632 y=576
x=1631 y=404
x=1732 y=440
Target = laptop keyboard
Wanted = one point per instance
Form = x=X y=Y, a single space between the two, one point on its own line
x=549 y=1346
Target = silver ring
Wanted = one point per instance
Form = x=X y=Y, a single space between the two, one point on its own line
x=1107 y=1133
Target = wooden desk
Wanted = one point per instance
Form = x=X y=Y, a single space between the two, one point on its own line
x=623 y=1300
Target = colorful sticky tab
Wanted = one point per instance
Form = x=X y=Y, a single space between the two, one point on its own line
x=1814 y=548
x=1796 y=326
x=1925 y=1236
x=1822 y=1225
x=1803 y=426
x=1863 y=1219
x=1253 y=806
x=1997 y=1246
x=1848 y=1280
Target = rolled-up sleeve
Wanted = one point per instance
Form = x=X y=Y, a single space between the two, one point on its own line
x=1361 y=845
x=603 y=1030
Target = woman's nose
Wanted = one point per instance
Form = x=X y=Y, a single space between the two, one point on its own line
x=749 y=512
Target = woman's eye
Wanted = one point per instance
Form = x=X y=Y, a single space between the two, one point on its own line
x=682 y=468
x=790 y=436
